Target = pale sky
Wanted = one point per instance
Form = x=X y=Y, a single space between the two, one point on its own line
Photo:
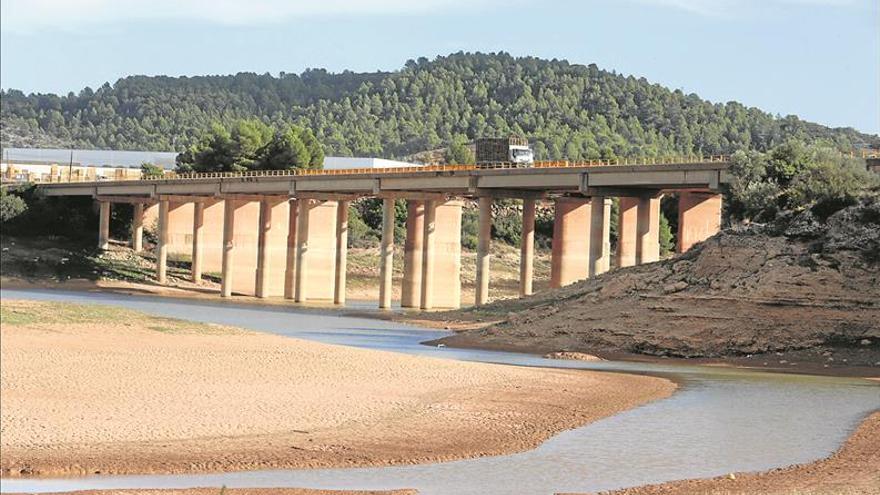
x=819 y=59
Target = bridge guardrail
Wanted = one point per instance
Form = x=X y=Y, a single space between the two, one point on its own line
x=388 y=171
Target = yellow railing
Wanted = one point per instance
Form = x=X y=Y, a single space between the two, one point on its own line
x=394 y=170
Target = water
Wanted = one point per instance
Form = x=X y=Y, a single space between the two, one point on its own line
x=719 y=421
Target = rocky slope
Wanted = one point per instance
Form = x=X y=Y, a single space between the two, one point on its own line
x=803 y=286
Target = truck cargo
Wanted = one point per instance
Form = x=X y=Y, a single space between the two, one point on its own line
x=511 y=150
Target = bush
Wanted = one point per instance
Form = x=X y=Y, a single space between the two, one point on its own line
x=11 y=206
x=69 y=216
x=667 y=239
x=830 y=185
x=794 y=177
x=150 y=171
x=470 y=228
x=359 y=233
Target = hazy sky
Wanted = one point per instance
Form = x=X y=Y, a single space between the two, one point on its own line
x=819 y=59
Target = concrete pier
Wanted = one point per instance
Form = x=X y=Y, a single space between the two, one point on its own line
x=429 y=239
x=571 y=241
x=627 y=231
x=699 y=217
x=341 y=253
x=648 y=230
x=527 y=249
x=483 y=251
x=162 y=245
x=137 y=227
x=447 y=254
x=411 y=290
x=600 y=231
x=386 y=254
x=302 y=248
x=104 y=225
x=291 y=249
x=229 y=208
x=197 y=240
x=261 y=284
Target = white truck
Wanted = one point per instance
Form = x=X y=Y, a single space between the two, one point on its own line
x=504 y=151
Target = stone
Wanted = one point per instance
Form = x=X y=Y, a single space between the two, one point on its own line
x=676 y=287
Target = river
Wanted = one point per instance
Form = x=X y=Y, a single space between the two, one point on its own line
x=721 y=420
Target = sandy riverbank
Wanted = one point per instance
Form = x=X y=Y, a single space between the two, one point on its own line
x=97 y=389
x=240 y=491
x=852 y=470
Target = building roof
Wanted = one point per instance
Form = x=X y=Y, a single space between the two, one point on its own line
x=98 y=158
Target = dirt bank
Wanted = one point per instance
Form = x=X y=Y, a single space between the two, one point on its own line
x=764 y=296
x=63 y=263
x=852 y=470
x=89 y=388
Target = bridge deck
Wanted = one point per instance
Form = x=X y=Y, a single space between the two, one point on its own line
x=464 y=181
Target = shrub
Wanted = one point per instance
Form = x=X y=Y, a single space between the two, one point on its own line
x=11 y=206
x=470 y=227
x=667 y=240
x=794 y=177
x=833 y=183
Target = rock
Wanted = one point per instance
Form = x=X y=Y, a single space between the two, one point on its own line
x=574 y=356
x=676 y=287
x=865 y=342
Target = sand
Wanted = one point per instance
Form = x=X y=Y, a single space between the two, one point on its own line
x=91 y=389
x=852 y=470
x=240 y=491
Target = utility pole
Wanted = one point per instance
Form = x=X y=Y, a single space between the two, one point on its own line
x=70 y=168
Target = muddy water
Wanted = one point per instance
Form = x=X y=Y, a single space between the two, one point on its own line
x=720 y=421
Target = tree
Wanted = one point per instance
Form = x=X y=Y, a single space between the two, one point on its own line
x=566 y=110
x=285 y=151
x=459 y=153
x=252 y=145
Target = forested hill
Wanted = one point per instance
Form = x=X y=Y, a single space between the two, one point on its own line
x=566 y=110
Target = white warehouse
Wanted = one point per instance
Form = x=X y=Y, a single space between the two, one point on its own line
x=349 y=162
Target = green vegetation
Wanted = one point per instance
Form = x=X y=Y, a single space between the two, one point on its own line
x=19 y=313
x=566 y=110
x=149 y=170
x=11 y=206
x=794 y=177
x=667 y=238
x=252 y=145
x=459 y=153
x=29 y=313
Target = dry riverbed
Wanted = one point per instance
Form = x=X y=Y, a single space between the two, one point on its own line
x=90 y=388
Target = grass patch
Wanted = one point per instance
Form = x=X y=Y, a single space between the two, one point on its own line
x=20 y=313
x=32 y=312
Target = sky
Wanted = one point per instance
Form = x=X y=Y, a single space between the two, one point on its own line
x=818 y=59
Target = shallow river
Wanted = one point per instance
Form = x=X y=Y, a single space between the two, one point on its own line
x=719 y=421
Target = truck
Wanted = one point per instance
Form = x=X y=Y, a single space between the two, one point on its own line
x=511 y=150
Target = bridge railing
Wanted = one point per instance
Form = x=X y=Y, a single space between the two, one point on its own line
x=46 y=178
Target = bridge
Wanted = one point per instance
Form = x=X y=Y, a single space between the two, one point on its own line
x=284 y=233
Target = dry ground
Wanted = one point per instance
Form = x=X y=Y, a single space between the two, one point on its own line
x=89 y=388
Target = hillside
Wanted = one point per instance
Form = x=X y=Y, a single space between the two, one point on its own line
x=568 y=111
x=801 y=290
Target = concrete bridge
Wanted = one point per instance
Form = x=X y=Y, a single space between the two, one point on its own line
x=284 y=233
